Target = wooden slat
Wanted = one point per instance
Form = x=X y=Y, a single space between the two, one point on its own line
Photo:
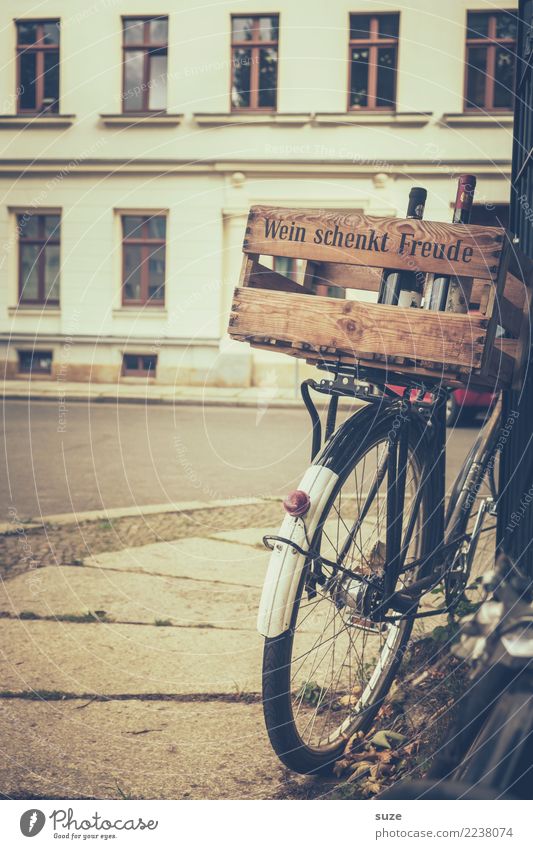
x=359 y=328
x=347 y=276
x=356 y=239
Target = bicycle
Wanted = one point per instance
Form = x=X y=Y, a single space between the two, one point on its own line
x=365 y=537
x=489 y=752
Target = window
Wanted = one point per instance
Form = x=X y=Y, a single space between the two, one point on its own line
x=145 y=42
x=373 y=61
x=38 y=66
x=35 y=362
x=490 y=60
x=490 y=214
x=139 y=365
x=143 y=259
x=39 y=238
x=254 y=62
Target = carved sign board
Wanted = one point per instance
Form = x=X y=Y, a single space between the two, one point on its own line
x=356 y=239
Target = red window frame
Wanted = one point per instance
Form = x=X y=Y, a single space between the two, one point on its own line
x=491 y=43
x=39 y=48
x=255 y=44
x=148 y=245
x=373 y=43
x=148 y=47
x=42 y=241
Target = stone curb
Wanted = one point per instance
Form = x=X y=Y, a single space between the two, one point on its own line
x=61 y=519
x=176 y=401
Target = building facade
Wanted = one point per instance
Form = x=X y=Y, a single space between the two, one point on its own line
x=134 y=137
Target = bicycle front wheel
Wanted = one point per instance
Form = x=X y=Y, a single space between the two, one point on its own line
x=326 y=676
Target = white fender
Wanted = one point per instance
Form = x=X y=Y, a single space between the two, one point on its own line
x=286 y=564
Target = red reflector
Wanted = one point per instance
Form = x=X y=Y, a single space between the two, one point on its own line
x=297 y=503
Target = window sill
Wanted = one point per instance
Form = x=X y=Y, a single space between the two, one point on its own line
x=140 y=119
x=36 y=122
x=361 y=116
x=34 y=309
x=140 y=312
x=224 y=119
x=478 y=119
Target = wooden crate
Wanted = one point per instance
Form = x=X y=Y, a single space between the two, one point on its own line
x=348 y=250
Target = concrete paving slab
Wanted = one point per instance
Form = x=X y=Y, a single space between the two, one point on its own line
x=127 y=597
x=137 y=749
x=111 y=658
x=201 y=559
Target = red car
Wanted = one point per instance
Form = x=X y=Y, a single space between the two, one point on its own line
x=462 y=406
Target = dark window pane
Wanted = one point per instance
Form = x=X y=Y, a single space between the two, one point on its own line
x=359 y=78
x=37 y=362
x=132 y=226
x=28 y=226
x=51 y=273
x=133 y=31
x=156 y=272
x=506 y=25
x=503 y=79
x=51 y=32
x=157 y=85
x=477 y=24
x=388 y=26
x=268 y=29
x=386 y=73
x=52 y=225
x=242 y=28
x=132 y=272
x=359 y=26
x=159 y=31
x=131 y=362
x=268 y=59
x=477 y=66
x=133 y=80
x=240 y=89
x=157 y=227
x=29 y=272
x=51 y=80
x=26 y=32
x=27 y=81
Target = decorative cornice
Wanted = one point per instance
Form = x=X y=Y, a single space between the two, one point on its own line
x=119 y=167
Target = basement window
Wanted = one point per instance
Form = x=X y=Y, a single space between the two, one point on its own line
x=139 y=365
x=35 y=362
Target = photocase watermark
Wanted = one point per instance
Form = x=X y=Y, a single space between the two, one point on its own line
x=62 y=372
x=27 y=560
x=505 y=433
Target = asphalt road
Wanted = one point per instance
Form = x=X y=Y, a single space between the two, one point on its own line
x=106 y=455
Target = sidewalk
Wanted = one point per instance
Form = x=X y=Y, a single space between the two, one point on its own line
x=143 y=393
x=137 y=674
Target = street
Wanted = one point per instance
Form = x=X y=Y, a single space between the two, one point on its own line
x=98 y=456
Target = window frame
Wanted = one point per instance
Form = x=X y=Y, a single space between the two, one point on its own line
x=255 y=44
x=146 y=47
x=491 y=43
x=43 y=241
x=39 y=50
x=137 y=372
x=144 y=242
x=373 y=43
